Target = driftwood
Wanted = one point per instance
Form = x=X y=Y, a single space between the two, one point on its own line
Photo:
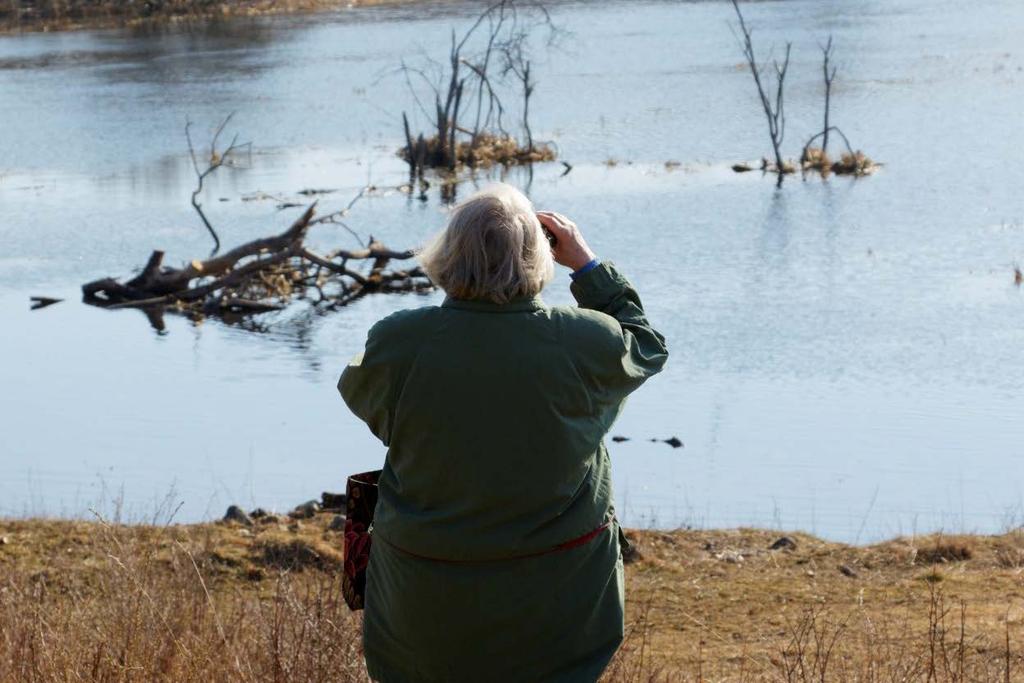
x=43 y=301
x=259 y=276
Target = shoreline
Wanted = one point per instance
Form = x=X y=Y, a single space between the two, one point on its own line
x=107 y=14
x=717 y=601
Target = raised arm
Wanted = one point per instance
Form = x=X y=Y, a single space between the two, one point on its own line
x=638 y=351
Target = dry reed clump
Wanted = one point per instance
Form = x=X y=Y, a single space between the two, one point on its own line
x=787 y=167
x=487 y=150
x=816 y=159
x=298 y=554
x=856 y=164
x=943 y=551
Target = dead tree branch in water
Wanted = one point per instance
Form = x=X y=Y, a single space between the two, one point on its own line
x=816 y=158
x=215 y=160
x=517 y=63
x=259 y=276
x=473 y=80
x=335 y=216
x=774 y=107
x=811 y=157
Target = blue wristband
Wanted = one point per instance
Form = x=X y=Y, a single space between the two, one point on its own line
x=594 y=263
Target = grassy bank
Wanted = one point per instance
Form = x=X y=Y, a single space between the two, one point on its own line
x=54 y=15
x=96 y=602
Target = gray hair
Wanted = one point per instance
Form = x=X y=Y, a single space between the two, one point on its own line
x=493 y=248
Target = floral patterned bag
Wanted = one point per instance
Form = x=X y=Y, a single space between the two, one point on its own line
x=361 y=494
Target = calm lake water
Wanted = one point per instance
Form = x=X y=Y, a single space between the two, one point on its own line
x=848 y=356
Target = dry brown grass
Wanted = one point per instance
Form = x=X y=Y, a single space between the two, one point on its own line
x=93 y=602
x=721 y=606
x=857 y=164
x=222 y=602
x=816 y=159
x=49 y=15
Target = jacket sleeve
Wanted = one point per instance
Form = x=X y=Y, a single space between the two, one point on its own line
x=626 y=359
x=368 y=384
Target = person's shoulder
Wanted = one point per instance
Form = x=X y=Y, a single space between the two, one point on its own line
x=404 y=321
x=586 y=324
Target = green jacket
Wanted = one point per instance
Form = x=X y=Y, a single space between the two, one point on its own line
x=494 y=417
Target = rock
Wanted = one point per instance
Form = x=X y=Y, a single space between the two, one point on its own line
x=4 y=540
x=258 y=513
x=306 y=510
x=338 y=523
x=730 y=556
x=333 y=501
x=847 y=570
x=783 y=543
x=237 y=514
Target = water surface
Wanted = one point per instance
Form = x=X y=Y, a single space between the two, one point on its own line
x=846 y=355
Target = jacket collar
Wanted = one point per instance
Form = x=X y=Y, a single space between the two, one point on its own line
x=521 y=305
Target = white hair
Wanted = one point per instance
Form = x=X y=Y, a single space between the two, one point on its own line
x=493 y=248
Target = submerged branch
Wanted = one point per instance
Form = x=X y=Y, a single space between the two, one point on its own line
x=259 y=276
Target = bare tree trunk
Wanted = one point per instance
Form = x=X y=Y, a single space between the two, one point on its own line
x=774 y=113
x=830 y=76
x=527 y=92
x=453 y=145
x=410 y=151
x=442 y=137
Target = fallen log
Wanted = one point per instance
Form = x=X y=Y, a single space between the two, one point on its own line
x=259 y=276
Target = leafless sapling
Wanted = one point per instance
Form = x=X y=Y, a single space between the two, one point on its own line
x=214 y=160
x=774 y=107
x=517 y=63
x=829 y=72
x=820 y=160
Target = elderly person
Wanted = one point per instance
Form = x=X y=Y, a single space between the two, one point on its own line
x=495 y=546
